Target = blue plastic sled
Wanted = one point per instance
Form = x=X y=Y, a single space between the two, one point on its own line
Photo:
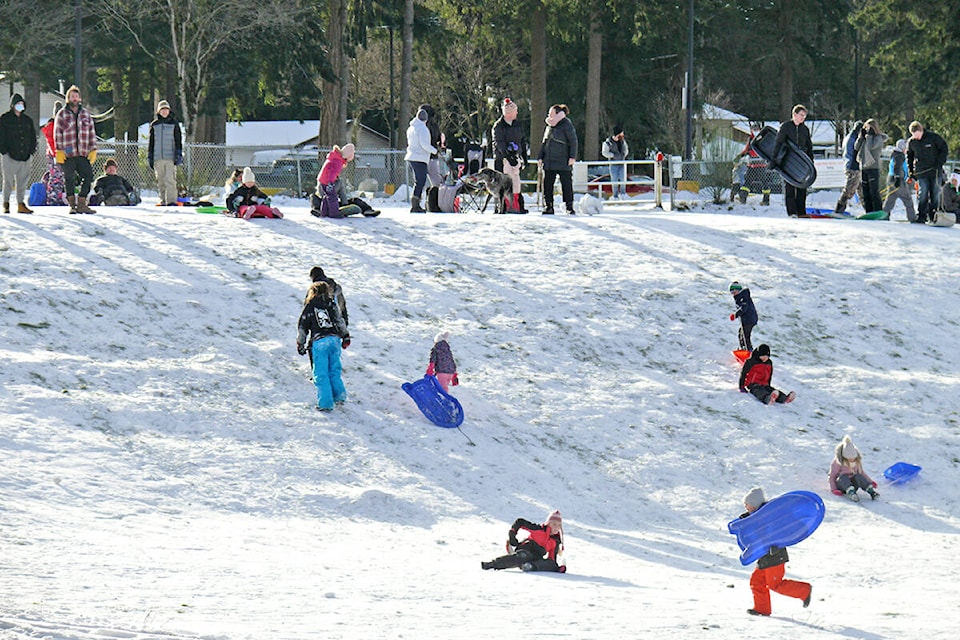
x=782 y=522
x=441 y=408
x=901 y=472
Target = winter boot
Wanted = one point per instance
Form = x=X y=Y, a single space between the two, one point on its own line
x=852 y=494
x=548 y=208
x=754 y=612
x=82 y=206
x=6 y=207
x=791 y=397
x=744 y=192
x=773 y=397
x=570 y=210
x=520 y=206
x=415 y=205
x=734 y=192
x=72 y=201
x=486 y=565
x=873 y=493
x=22 y=208
x=806 y=601
x=766 y=198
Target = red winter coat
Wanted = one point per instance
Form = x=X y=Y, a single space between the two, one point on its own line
x=755 y=371
x=537 y=535
x=48 y=134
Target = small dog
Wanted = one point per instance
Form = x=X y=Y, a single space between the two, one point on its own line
x=499 y=186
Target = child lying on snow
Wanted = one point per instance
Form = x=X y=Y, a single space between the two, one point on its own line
x=538 y=551
x=249 y=202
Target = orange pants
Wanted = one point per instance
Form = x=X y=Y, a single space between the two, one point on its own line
x=763 y=581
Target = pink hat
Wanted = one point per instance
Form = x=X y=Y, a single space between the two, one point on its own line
x=554 y=516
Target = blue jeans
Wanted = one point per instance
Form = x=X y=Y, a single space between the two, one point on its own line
x=617 y=175
x=928 y=200
x=419 y=177
x=326 y=372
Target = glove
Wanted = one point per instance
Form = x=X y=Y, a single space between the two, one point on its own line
x=61 y=157
x=837 y=492
x=92 y=156
x=345 y=342
x=874 y=483
x=743 y=390
x=430 y=369
x=456 y=381
x=733 y=316
x=301 y=349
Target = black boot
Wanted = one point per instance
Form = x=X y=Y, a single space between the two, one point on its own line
x=415 y=205
x=548 y=208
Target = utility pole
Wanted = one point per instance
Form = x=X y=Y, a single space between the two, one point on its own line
x=688 y=88
x=78 y=46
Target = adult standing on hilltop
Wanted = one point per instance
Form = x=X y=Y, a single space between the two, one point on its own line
x=165 y=152
x=558 y=154
x=76 y=139
x=870 y=142
x=418 y=155
x=18 y=141
x=510 y=149
x=926 y=153
x=794 y=129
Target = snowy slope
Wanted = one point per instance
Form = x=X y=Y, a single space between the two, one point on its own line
x=166 y=476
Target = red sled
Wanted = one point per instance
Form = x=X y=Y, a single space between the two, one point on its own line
x=741 y=355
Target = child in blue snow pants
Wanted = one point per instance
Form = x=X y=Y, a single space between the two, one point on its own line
x=326 y=372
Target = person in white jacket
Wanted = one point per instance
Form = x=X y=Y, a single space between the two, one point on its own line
x=418 y=154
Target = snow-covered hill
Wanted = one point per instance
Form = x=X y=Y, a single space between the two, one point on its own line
x=166 y=476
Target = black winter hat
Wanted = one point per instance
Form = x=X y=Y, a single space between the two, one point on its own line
x=316 y=274
x=763 y=350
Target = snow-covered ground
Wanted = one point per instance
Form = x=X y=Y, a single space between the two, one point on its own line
x=165 y=474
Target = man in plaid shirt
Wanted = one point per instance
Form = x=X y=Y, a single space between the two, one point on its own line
x=76 y=141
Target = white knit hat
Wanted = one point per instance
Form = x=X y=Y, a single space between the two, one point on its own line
x=248 y=175
x=348 y=151
x=754 y=498
x=847 y=449
x=443 y=335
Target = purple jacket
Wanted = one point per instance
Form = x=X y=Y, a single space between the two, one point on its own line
x=442 y=358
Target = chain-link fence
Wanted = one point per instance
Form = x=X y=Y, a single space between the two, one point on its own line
x=206 y=168
x=703 y=181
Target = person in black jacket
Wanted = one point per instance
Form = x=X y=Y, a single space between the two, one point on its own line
x=926 y=153
x=112 y=189
x=540 y=550
x=18 y=141
x=510 y=149
x=768 y=576
x=322 y=331
x=558 y=154
x=746 y=311
x=794 y=129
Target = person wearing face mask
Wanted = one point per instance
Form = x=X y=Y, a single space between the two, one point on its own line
x=558 y=154
x=418 y=155
x=18 y=141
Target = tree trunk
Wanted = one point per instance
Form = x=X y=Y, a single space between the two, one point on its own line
x=31 y=99
x=787 y=57
x=538 y=75
x=406 y=74
x=591 y=136
x=332 y=125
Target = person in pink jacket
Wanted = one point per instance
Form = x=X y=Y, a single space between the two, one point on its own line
x=847 y=474
x=326 y=201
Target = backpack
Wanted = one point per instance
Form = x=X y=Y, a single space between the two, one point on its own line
x=38 y=195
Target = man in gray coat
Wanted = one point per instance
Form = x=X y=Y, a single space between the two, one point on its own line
x=165 y=153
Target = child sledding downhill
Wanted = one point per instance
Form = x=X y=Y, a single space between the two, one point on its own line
x=756 y=375
x=248 y=201
x=847 y=474
x=747 y=313
x=442 y=364
x=541 y=550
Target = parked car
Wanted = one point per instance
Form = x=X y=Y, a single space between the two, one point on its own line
x=282 y=176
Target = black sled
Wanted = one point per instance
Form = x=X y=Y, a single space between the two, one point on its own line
x=794 y=166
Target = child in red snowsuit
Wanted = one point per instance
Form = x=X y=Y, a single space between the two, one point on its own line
x=768 y=576
x=756 y=375
x=538 y=551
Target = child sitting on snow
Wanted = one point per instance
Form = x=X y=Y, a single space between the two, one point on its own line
x=442 y=364
x=756 y=375
x=747 y=313
x=539 y=551
x=248 y=201
x=847 y=474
